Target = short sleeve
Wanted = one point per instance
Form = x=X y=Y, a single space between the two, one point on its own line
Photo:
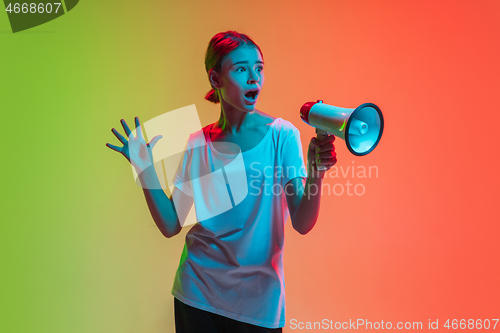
x=181 y=176
x=292 y=156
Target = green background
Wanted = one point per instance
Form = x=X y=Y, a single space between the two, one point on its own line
x=74 y=258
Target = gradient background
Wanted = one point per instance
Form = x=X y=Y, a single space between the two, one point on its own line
x=80 y=251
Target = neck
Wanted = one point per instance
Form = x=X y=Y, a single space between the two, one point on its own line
x=231 y=120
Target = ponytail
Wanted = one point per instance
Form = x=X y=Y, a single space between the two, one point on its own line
x=212 y=96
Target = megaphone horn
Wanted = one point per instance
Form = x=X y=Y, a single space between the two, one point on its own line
x=361 y=128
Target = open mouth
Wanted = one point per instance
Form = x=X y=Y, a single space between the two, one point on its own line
x=252 y=95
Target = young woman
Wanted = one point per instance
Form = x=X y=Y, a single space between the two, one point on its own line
x=230 y=276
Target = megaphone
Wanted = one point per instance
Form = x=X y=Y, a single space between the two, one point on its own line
x=361 y=128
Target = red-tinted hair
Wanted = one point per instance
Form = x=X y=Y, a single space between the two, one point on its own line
x=219 y=47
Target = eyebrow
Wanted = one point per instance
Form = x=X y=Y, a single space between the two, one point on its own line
x=246 y=62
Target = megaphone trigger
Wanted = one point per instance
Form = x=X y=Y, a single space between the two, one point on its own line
x=320 y=134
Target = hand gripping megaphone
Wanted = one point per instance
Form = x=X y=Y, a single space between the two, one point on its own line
x=361 y=128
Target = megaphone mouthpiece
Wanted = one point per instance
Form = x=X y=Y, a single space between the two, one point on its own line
x=304 y=111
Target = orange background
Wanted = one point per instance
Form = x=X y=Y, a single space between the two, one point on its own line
x=422 y=242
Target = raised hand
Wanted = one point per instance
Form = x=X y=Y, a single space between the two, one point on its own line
x=136 y=150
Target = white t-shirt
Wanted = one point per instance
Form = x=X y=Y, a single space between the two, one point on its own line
x=232 y=261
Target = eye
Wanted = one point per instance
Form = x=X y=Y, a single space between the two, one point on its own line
x=242 y=69
x=260 y=68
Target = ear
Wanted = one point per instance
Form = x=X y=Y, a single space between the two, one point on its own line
x=214 y=78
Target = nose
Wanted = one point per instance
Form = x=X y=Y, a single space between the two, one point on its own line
x=254 y=77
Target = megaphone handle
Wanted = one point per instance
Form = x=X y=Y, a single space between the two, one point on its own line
x=321 y=135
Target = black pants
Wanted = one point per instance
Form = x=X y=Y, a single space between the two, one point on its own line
x=192 y=320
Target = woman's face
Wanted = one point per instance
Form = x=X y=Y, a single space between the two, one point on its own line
x=241 y=78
